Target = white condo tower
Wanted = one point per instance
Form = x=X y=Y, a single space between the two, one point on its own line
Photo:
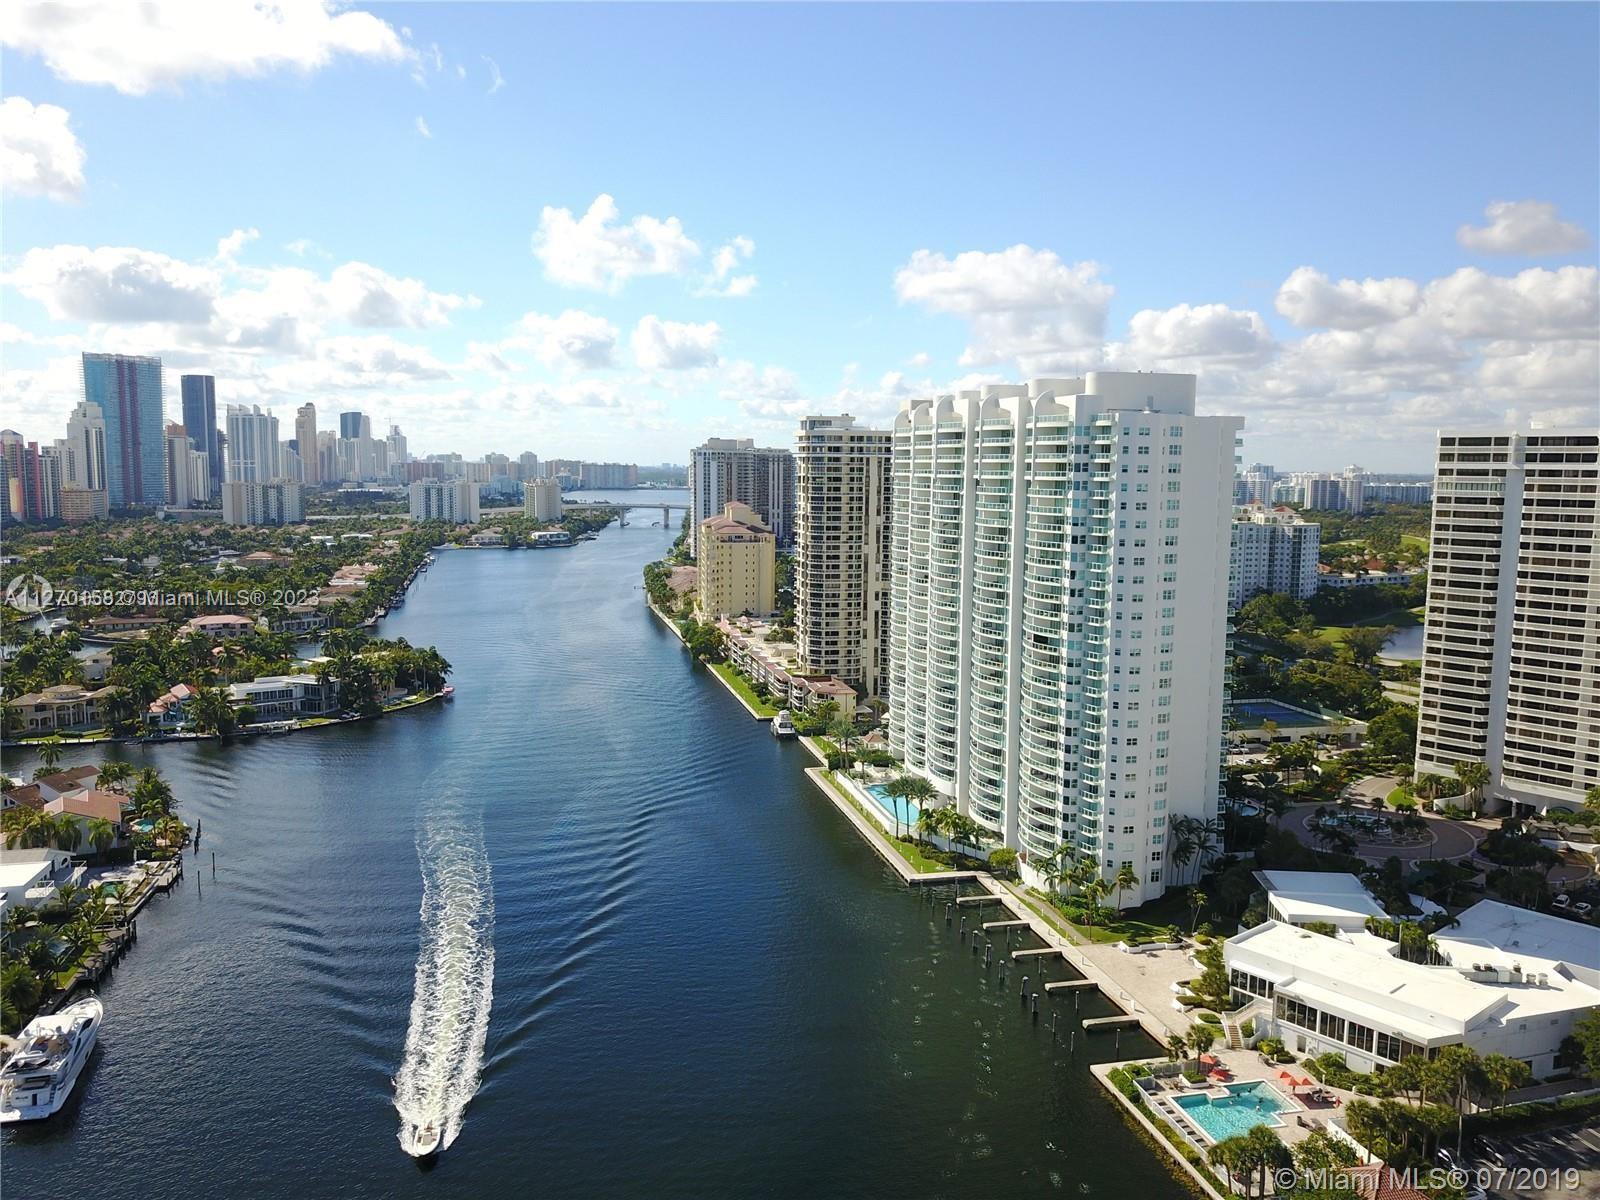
x=1058 y=613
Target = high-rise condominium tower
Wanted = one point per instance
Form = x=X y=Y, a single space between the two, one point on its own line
x=127 y=390
x=1511 y=660
x=842 y=550
x=253 y=451
x=85 y=463
x=200 y=419
x=727 y=469
x=1058 y=611
x=305 y=437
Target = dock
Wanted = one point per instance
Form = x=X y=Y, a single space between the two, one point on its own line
x=1039 y=952
x=989 y=925
x=1095 y=1024
x=986 y=898
x=1073 y=985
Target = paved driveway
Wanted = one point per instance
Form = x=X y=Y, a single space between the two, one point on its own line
x=1445 y=839
x=1545 y=1165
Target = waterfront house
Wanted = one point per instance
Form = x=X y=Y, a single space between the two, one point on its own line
x=65 y=783
x=772 y=664
x=220 y=626
x=62 y=707
x=1507 y=981
x=90 y=805
x=298 y=619
x=114 y=624
x=170 y=709
x=29 y=876
x=281 y=697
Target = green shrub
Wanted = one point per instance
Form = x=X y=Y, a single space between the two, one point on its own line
x=1247 y=1030
x=1210 y=1018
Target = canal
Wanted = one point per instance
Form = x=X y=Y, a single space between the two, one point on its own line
x=703 y=983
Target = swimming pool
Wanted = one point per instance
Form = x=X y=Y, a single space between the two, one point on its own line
x=1246 y=1106
x=898 y=807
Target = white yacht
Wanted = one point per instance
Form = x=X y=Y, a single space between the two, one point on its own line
x=783 y=724
x=51 y=1051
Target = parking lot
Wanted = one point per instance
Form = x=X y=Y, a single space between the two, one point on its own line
x=1553 y=1152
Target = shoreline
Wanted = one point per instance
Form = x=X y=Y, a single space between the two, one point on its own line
x=301 y=726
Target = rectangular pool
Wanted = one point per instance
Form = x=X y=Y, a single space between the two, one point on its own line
x=1244 y=1107
x=898 y=807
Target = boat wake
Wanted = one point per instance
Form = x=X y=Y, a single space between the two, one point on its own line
x=454 y=986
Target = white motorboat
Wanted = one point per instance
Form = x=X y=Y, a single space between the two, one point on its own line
x=783 y=725
x=421 y=1141
x=51 y=1051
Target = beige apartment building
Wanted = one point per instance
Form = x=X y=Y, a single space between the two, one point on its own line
x=738 y=564
x=842 y=533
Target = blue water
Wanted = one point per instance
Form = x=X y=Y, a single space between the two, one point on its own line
x=703 y=982
x=899 y=808
x=1246 y=1106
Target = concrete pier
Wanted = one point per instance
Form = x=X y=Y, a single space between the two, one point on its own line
x=988 y=925
x=986 y=898
x=1073 y=985
x=1094 y=1024
x=1039 y=952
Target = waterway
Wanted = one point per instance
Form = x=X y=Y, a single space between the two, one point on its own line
x=648 y=959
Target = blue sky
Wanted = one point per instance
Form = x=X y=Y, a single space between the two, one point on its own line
x=814 y=208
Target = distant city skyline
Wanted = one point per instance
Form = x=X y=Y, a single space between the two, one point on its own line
x=1323 y=213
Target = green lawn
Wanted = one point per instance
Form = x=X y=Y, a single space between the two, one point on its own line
x=1148 y=920
x=746 y=692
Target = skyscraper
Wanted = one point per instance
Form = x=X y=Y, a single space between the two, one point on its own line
x=727 y=469
x=200 y=418
x=305 y=437
x=252 y=445
x=180 y=473
x=1509 y=674
x=19 y=472
x=1058 y=611
x=842 y=550
x=85 y=464
x=354 y=425
x=128 y=392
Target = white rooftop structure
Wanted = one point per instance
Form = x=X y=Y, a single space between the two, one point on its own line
x=1513 y=982
x=1300 y=897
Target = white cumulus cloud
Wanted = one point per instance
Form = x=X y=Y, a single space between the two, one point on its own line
x=39 y=153
x=601 y=252
x=1022 y=303
x=422 y=128
x=1532 y=228
x=674 y=345
x=1312 y=301
x=573 y=339
x=137 y=47
x=724 y=279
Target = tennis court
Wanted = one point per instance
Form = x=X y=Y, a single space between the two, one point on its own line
x=1248 y=711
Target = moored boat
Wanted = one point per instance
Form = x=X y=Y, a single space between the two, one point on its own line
x=39 y=1076
x=783 y=725
x=448 y=692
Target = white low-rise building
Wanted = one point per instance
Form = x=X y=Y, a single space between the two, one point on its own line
x=1511 y=981
x=279 y=697
x=1303 y=897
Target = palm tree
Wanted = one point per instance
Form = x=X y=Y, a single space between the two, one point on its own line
x=20 y=994
x=1197 y=901
x=1428 y=786
x=1125 y=879
x=50 y=750
x=896 y=790
x=843 y=733
x=102 y=834
x=112 y=773
x=919 y=791
x=152 y=795
x=1474 y=777
x=1177 y=1048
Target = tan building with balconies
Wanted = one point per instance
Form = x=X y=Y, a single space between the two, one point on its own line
x=738 y=564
